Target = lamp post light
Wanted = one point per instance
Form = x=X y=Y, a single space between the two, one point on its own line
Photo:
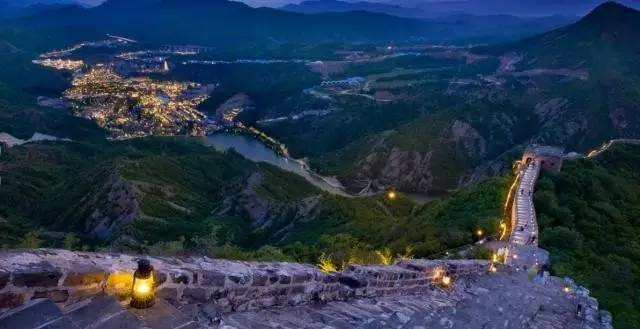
x=142 y=292
x=392 y=195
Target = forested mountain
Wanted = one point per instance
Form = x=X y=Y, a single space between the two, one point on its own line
x=589 y=217
x=574 y=86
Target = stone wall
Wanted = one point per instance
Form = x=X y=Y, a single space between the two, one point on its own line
x=67 y=277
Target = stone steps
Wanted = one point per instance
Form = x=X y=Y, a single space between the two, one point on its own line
x=100 y=312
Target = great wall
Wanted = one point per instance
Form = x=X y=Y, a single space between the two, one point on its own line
x=48 y=288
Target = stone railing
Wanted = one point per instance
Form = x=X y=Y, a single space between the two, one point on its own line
x=67 y=277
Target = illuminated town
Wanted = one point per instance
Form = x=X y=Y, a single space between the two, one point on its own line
x=116 y=94
x=137 y=107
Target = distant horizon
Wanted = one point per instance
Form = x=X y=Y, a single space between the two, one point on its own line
x=433 y=7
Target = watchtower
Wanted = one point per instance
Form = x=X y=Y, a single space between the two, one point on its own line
x=549 y=157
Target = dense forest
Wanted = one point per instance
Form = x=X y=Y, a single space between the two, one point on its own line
x=590 y=220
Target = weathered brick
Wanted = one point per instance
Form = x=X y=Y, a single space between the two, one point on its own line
x=300 y=278
x=285 y=279
x=297 y=290
x=57 y=296
x=37 y=279
x=84 y=278
x=11 y=300
x=200 y=295
x=4 y=279
x=241 y=280
x=214 y=279
x=159 y=278
x=180 y=278
x=259 y=280
x=168 y=293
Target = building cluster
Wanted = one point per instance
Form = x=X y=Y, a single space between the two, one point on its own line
x=137 y=107
x=60 y=64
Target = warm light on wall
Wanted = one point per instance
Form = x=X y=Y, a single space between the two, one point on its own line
x=142 y=293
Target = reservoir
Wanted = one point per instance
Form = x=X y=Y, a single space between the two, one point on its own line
x=256 y=151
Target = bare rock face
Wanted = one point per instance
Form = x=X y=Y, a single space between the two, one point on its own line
x=118 y=206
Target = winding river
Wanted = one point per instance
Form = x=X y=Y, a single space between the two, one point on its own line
x=256 y=151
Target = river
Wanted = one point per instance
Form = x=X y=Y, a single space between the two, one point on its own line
x=256 y=151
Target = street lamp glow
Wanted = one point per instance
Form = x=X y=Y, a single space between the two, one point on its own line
x=446 y=281
x=392 y=195
x=479 y=233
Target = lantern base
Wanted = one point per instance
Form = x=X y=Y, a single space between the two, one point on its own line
x=140 y=304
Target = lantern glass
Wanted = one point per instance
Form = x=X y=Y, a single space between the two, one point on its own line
x=142 y=292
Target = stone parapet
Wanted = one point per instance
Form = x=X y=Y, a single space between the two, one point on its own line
x=67 y=277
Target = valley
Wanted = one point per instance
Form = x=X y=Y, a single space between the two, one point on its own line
x=338 y=138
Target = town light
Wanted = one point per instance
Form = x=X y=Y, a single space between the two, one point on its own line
x=142 y=293
x=446 y=280
x=493 y=268
x=392 y=195
x=479 y=233
x=566 y=289
x=494 y=258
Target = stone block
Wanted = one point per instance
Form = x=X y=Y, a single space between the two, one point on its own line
x=180 y=278
x=259 y=280
x=218 y=294
x=11 y=300
x=214 y=279
x=199 y=295
x=285 y=279
x=300 y=278
x=167 y=293
x=37 y=279
x=4 y=279
x=297 y=290
x=90 y=311
x=31 y=315
x=84 y=293
x=57 y=296
x=159 y=278
x=351 y=282
x=60 y=323
x=84 y=278
x=122 y=320
x=239 y=280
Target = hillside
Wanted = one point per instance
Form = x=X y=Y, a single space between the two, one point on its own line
x=452 y=122
x=163 y=193
x=222 y=22
x=589 y=217
x=600 y=41
x=327 y=6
